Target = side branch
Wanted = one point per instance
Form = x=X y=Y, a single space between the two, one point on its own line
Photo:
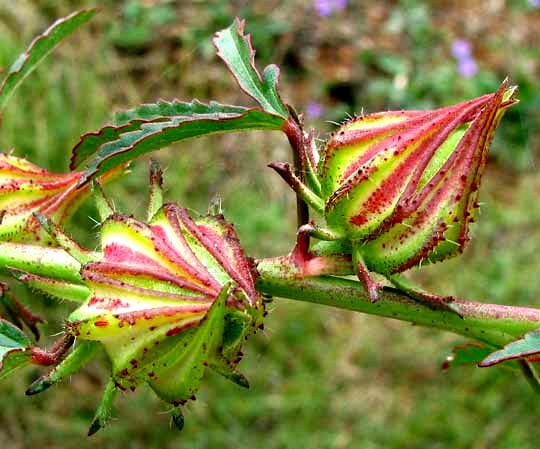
x=493 y=324
x=297 y=141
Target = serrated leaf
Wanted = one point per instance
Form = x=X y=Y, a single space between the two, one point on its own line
x=90 y=142
x=527 y=346
x=133 y=119
x=235 y=49
x=13 y=348
x=466 y=354
x=158 y=134
x=40 y=47
x=172 y=109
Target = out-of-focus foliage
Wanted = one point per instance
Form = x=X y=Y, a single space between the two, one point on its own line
x=316 y=380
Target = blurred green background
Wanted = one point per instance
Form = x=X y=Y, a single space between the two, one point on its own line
x=320 y=378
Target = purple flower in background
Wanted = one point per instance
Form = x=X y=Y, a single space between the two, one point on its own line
x=461 y=49
x=534 y=3
x=340 y=5
x=467 y=67
x=314 y=110
x=325 y=7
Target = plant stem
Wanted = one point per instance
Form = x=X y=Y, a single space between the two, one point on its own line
x=295 y=135
x=493 y=324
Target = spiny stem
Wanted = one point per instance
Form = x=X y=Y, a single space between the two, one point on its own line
x=54 y=355
x=295 y=134
x=493 y=324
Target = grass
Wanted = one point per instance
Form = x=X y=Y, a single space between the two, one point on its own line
x=320 y=378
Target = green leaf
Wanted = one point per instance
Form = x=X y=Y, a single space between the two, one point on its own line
x=133 y=119
x=40 y=47
x=90 y=142
x=235 y=49
x=14 y=345
x=115 y=147
x=466 y=354
x=170 y=109
x=527 y=346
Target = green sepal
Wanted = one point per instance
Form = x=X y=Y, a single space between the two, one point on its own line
x=104 y=410
x=53 y=287
x=237 y=326
x=325 y=248
x=321 y=233
x=414 y=291
x=312 y=178
x=178 y=418
x=76 y=251
x=181 y=371
x=155 y=197
x=40 y=261
x=311 y=198
x=103 y=205
x=226 y=369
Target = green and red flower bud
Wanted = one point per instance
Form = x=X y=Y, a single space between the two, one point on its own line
x=405 y=184
x=400 y=187
x=26 y=188
x=168 y=299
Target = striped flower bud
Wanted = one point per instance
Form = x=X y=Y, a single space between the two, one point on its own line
x=166 y=299
x=169 y=299
x=400 y=188
x=26 y=188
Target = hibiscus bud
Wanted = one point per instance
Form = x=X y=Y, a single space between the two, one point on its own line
x=400 y=187
x=168 y=299
x=165 y=299
x=26 y=188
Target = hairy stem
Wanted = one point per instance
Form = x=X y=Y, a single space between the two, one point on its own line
x=296 y=138
x=54 y=355
x=493 y=324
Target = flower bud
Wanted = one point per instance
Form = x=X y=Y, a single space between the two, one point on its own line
x=399 y=188
x=26 y=188
x=169 y=299
x=405 y=184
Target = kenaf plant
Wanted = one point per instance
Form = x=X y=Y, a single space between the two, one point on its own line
x=174 y=295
